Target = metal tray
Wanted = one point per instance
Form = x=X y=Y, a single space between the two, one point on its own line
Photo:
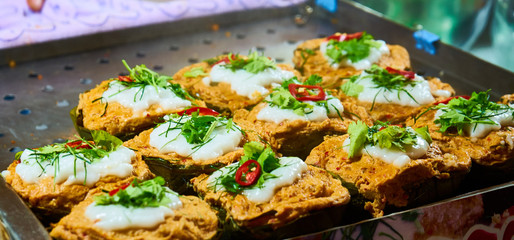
x=38 y=93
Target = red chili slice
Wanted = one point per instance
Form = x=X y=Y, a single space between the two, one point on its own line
x=125 y=79
x=114 y=191
x=248 y=173
x=346 y=37
x=201 y=110
x=407 y=74
x=304 y=95
x=78 y=144
x=226 y=59
x=446 y=101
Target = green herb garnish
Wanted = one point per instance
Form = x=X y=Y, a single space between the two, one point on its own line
x=264 y=155
x=383 y=80
x=254 y=63
x=459 y=112
x=151 y=193
x=355 y=49
x=384 y=136
x=195 y=72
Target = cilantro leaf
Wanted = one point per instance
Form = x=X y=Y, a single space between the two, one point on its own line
x=352 y=89
x=353 y=50
x=254 y=63
x=358 y=132
x=195 y=72
x=105 y=140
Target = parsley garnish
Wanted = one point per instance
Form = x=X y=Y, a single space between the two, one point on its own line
x=383 y=135
x=355 y=49
x=140 y=76
x=254 y=63
x=151 y=193
x=195 y=72
x=459 y=112
x=385 y=81
x=252 y=150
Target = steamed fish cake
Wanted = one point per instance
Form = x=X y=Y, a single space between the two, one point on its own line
x=391 y=94
x=296 y=116
x=126 y=105
x=54 y=178
x=343 y=55
x=232 y=82
x=388 y=164
x=138 y=210
x=262 y=190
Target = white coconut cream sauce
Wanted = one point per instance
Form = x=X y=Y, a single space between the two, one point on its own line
x=397 y=158
x=118 y=217
x=371 y=93
x=374 y=55
x=319 y=113
x=480 y=130
x=72 y=170
x=140 y=100
x=292 y=169
x=222 y=142
x=245 y=83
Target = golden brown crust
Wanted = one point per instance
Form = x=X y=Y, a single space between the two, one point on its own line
x=397 y=58
x=194 y=220
x=296 y=138
x=113 y=117
x=495 y=149
x=316 y=190
x=395 y=113
x=143 y=147
x=219 y=96
x=58 y=198
x=383 y=183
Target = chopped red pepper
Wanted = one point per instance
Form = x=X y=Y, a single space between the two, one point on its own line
x=346 y=37
x=300 y=92
x=201 y=110
x=125 y=79
x=114 y=191
x=446 y=101
x=248 y=173
x=78 y=144
x=407 y=74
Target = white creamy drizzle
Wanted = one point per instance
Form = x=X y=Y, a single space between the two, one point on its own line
x=6 y=173
x=173 y=141
x=72 y=170
x=140 y=100
x=245 y=83
x=480 y=130
x=371 y=93
x=374 y=55
x=292 y=169
x=442 y=93
x=118 y=217
x=319 y=113
x=397 y=158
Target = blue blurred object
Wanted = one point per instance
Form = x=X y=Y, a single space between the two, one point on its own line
x=329 y=5
x=426 y=40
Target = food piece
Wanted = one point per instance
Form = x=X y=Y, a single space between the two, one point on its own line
x=344 y=55
x=391 y=165
x=393 y=95
x=231 y=82
x=145 y=210
x=52 y=179
x=286 y=190
x=296 y=116
x=126 y=105
x=474 y=124
x=185 y=145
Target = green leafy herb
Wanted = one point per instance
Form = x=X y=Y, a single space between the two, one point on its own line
x=255 y=151
x=383 y=80
x=195 y=72
x=355 y=49
x=305 y=53
x=140 y=76
x=459 y=112
x=254 y=63
x=151 y=193
x=384 y=136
